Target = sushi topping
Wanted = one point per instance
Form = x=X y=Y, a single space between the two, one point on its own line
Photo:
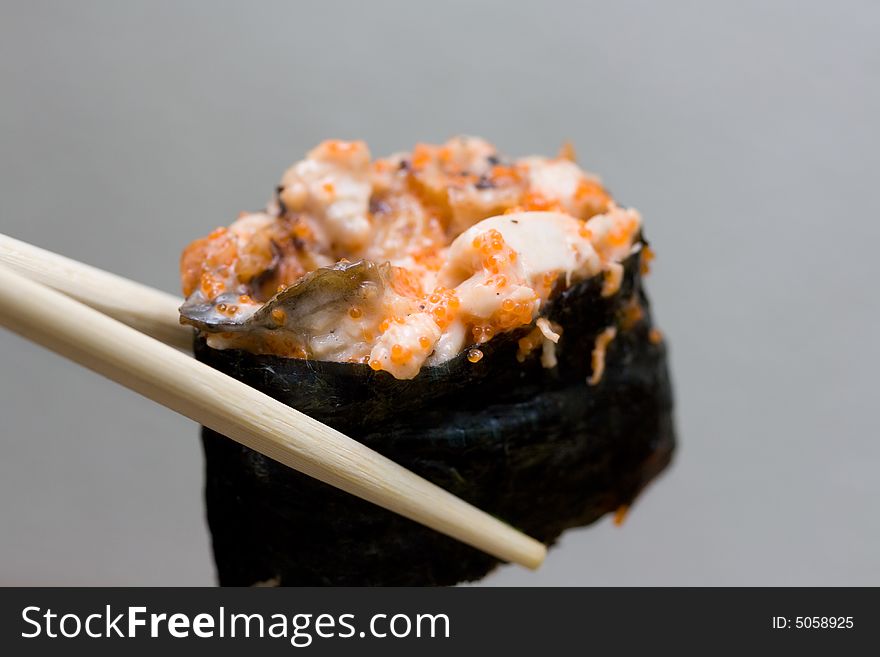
x=551 y=332
x=599 y=352
x=621 y=514
x=406 y=261
x=655 y=336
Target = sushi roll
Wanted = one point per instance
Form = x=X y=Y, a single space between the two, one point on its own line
x=478 y=319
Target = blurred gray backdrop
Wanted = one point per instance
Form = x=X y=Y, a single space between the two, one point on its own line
x=746 y=133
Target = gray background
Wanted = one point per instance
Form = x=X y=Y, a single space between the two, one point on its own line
x=746 y=133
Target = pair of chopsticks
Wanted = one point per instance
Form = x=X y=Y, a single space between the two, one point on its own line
x=45 y=298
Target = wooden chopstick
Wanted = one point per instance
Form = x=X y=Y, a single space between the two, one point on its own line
x=149 y=310
x=234 y=409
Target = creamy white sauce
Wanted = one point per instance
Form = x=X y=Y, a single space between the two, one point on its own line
x=334 y=184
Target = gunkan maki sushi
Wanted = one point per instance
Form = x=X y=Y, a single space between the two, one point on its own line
x=478 y=319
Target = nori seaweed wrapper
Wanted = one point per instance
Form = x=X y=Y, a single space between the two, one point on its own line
x=539 y=448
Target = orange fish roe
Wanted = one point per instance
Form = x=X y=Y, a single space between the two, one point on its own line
x=547 y=282
x=496 y=255
x=430 y=258
x=400 y=355
x=425 y=342
x=655 y=336
x=591 y=197
x=355 y=313
x=405 y=282
x=512 y=315
x=535 y=202
x=566 y=152
x=279 y=316
x=613 y=278
x=622 y=233
x=386 y=323
x=207 y=262
x=645 y=259
x=529 y=343
x=339 y=147
x=483 y=333
x=422 y=155
x=302 y=231
x=475 y=355
x=443 y=305
x=502 y=175
x=212 y=285
x=376 y=364
x=631 y=314
x=491 y=240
